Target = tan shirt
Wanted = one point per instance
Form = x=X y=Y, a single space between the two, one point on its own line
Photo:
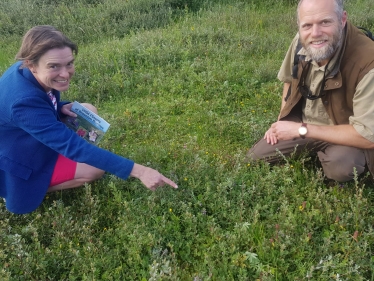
x=314 y=111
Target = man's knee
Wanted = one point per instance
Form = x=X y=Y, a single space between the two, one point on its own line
x=344 y=173
x=277 y=152
x=262 y=151
x=342 y=167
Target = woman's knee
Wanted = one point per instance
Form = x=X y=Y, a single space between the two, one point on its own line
x=97 y=174
x=90 y=107
x=94 y=174
x=88 y=173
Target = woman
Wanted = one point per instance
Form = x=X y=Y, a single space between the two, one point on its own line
x=38 y=153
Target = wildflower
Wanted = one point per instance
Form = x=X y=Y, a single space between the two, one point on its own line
x=355 y=235
x=302 y=207
x=272 y=242
x=309 y=237
x=170 y=210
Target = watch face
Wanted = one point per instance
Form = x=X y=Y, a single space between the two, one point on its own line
x=302 y=131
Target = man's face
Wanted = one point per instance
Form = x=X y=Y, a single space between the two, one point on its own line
x=319 y=29
x=54 y=69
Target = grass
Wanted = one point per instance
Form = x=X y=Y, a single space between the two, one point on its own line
x=186 y=92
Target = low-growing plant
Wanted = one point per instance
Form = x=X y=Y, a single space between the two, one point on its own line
x=187 y=93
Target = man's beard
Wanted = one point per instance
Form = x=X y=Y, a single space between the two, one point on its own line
x=326 y=52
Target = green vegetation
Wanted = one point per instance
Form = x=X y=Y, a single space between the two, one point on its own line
x=188 y=86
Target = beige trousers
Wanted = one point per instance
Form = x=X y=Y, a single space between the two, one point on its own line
x=338 y=162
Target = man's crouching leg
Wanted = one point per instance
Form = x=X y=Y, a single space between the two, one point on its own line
x=276 y=153
x=339 y=161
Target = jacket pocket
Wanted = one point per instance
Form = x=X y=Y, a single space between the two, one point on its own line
x=14 y=168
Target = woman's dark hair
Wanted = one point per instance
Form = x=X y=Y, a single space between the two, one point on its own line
x=39 y=40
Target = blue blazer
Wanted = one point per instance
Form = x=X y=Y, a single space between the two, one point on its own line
x=32 y=136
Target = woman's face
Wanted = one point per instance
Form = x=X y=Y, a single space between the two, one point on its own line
x=54 y=69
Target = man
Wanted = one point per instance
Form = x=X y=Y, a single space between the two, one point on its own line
x=328 y=95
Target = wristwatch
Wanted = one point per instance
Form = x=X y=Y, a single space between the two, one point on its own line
x=303 y=130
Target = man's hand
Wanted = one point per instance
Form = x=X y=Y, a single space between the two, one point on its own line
x=282 y=130
x=66 y=109
x=150 y=177
x=270 y=137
